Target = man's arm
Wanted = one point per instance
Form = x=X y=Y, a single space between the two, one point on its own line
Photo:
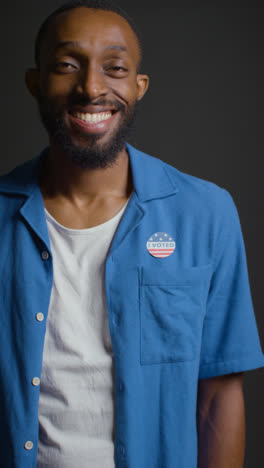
x=221 y=424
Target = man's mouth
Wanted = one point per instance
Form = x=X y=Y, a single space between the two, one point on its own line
x=93 y=122
x=93 y=118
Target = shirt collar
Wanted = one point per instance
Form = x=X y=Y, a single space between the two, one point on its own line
x=151 y=176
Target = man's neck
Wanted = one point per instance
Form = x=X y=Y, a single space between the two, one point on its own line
x=62 y=179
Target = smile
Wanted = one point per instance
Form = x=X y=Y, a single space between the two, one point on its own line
x=93 y=123
x=93 y=118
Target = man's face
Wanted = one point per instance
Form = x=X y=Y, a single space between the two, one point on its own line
x=88 y=86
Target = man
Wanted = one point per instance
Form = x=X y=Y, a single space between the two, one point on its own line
x=126 y=314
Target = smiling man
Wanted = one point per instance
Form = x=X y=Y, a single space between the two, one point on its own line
x=87 y=84
x=126 y=313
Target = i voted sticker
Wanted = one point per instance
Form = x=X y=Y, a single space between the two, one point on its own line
x=160 y=245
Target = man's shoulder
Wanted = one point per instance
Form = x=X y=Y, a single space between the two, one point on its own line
x=22 y=178
x=194 y=189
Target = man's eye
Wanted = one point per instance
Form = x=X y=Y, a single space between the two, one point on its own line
x=65 y=65
x=117 y=69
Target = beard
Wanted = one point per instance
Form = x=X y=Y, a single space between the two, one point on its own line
x=90 y=154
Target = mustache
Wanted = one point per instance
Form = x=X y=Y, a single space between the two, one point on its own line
x=84 y=101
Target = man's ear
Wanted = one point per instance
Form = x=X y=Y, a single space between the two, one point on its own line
x=33 y=82
x=142 y=85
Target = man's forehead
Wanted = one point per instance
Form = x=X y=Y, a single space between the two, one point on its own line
x=76 y=44
x=88 y=25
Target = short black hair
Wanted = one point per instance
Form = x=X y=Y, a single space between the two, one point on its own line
x=96 y=4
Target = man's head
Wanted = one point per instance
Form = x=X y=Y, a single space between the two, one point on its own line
x=87 y=82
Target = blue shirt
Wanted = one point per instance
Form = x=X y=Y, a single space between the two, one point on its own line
x=172 y=320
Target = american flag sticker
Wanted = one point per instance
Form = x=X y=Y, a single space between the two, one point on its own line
x=160 y=245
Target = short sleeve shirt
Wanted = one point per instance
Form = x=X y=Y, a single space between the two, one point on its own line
x=177 y=312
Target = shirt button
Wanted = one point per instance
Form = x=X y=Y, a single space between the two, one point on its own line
x=29 y=445
x=36 y=381
x=116 y=320
x=121 y=450
x=39 y=317
x=45 y=255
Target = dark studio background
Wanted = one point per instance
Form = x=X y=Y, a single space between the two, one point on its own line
x=203 y=113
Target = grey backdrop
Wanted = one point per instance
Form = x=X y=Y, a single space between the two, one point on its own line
x=202 y=114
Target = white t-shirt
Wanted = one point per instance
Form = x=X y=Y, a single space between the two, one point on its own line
x=76 y=404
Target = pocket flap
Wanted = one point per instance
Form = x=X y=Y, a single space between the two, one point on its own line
x=162 y=275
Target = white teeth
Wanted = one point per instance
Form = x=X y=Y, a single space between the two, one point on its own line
x=93 y=118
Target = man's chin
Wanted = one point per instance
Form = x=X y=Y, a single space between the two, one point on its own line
x=91 y=154
x=93 y=141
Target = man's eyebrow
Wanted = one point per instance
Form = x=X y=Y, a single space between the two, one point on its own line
x=116 y=47
x=76 y=44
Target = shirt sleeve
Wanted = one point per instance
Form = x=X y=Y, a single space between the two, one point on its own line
x=230 y=338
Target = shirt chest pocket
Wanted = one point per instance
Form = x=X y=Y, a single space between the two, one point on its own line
x=172 y=309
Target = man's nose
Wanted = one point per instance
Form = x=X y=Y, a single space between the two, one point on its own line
x=92 y=82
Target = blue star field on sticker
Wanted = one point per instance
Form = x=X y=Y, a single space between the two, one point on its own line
x=160 y=245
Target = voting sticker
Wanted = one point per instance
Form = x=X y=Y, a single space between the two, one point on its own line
x=160 y=245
